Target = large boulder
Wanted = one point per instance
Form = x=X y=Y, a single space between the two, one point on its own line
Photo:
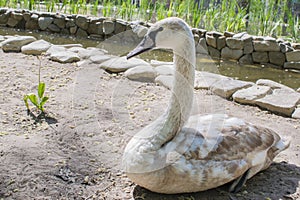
x=228 y=53
x=15 y=43
x=235 y=43
x=266 y=45
x=277 y=58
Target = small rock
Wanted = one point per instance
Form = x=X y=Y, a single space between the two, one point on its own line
x=54 y=28
x=166 y=81
x=296 y=113
x=36 y=48
x=213 y=52
x=201 y=47
x=141 y=73
x=277 y=58
x=82 y=22
x=15 y=43
x=226 y=87
x=44 y=22
x=121 y=64
x=249 y=95
x=260 y=57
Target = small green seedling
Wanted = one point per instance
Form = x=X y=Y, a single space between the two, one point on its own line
x=39 y=100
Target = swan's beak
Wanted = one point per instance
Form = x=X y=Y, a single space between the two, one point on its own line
x=145 y=45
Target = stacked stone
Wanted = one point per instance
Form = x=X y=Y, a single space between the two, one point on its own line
x=77 y=25
x=241 y=47
x=248 y=49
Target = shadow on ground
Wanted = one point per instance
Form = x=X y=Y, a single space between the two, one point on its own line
x=279 y=181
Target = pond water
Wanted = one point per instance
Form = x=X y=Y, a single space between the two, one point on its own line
x=204 y=63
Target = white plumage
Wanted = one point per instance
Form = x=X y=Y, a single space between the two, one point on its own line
x=179 y=153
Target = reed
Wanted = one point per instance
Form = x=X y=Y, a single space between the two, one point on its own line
x=272 y=17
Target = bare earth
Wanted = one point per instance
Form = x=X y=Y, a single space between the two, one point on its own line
x=75 y=151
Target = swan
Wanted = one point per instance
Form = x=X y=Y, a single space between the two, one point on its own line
x=179 y=153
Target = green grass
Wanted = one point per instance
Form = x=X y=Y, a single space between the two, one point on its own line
x=272 y=17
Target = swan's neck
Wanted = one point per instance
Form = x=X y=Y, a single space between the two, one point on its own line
x=180 y=105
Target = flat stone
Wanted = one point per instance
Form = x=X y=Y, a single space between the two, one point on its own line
x=68 y=46
x=86 y=53
x=65 y=57
x=249 y=95
x=98 y=59
x=260 y=57
x=291 y=65
x=166 y=81
x=36 y=48
x=44 y=22
x=226 y=87
x=277 y=58
x=235 y=43
x=55 y=49
x=141 y=73
x=266 y=45
x=274 y=85
x=164 y=70
x=121 y=64
x=228 y=53
x=205 y=80
x=280 y=101
x=15 y=43
x=296 y=113
x=293 y=56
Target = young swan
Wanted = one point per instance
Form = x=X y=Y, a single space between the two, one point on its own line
x=177 y=153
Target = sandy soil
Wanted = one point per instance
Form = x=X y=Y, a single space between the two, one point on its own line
x=75 y=151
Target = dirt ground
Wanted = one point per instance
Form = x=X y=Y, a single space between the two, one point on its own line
x=75 y=151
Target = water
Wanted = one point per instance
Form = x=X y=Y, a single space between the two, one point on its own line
x=204 y=63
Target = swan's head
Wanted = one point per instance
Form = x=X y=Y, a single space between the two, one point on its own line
x=170 y=33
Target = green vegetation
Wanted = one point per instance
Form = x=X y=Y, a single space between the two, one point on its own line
x=267 y=17
x=40 y=100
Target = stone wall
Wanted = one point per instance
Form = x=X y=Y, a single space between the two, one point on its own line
x=241 y=47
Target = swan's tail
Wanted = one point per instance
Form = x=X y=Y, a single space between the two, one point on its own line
x=281 y=145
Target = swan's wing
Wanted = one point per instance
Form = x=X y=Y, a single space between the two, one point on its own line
x=216 y=149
